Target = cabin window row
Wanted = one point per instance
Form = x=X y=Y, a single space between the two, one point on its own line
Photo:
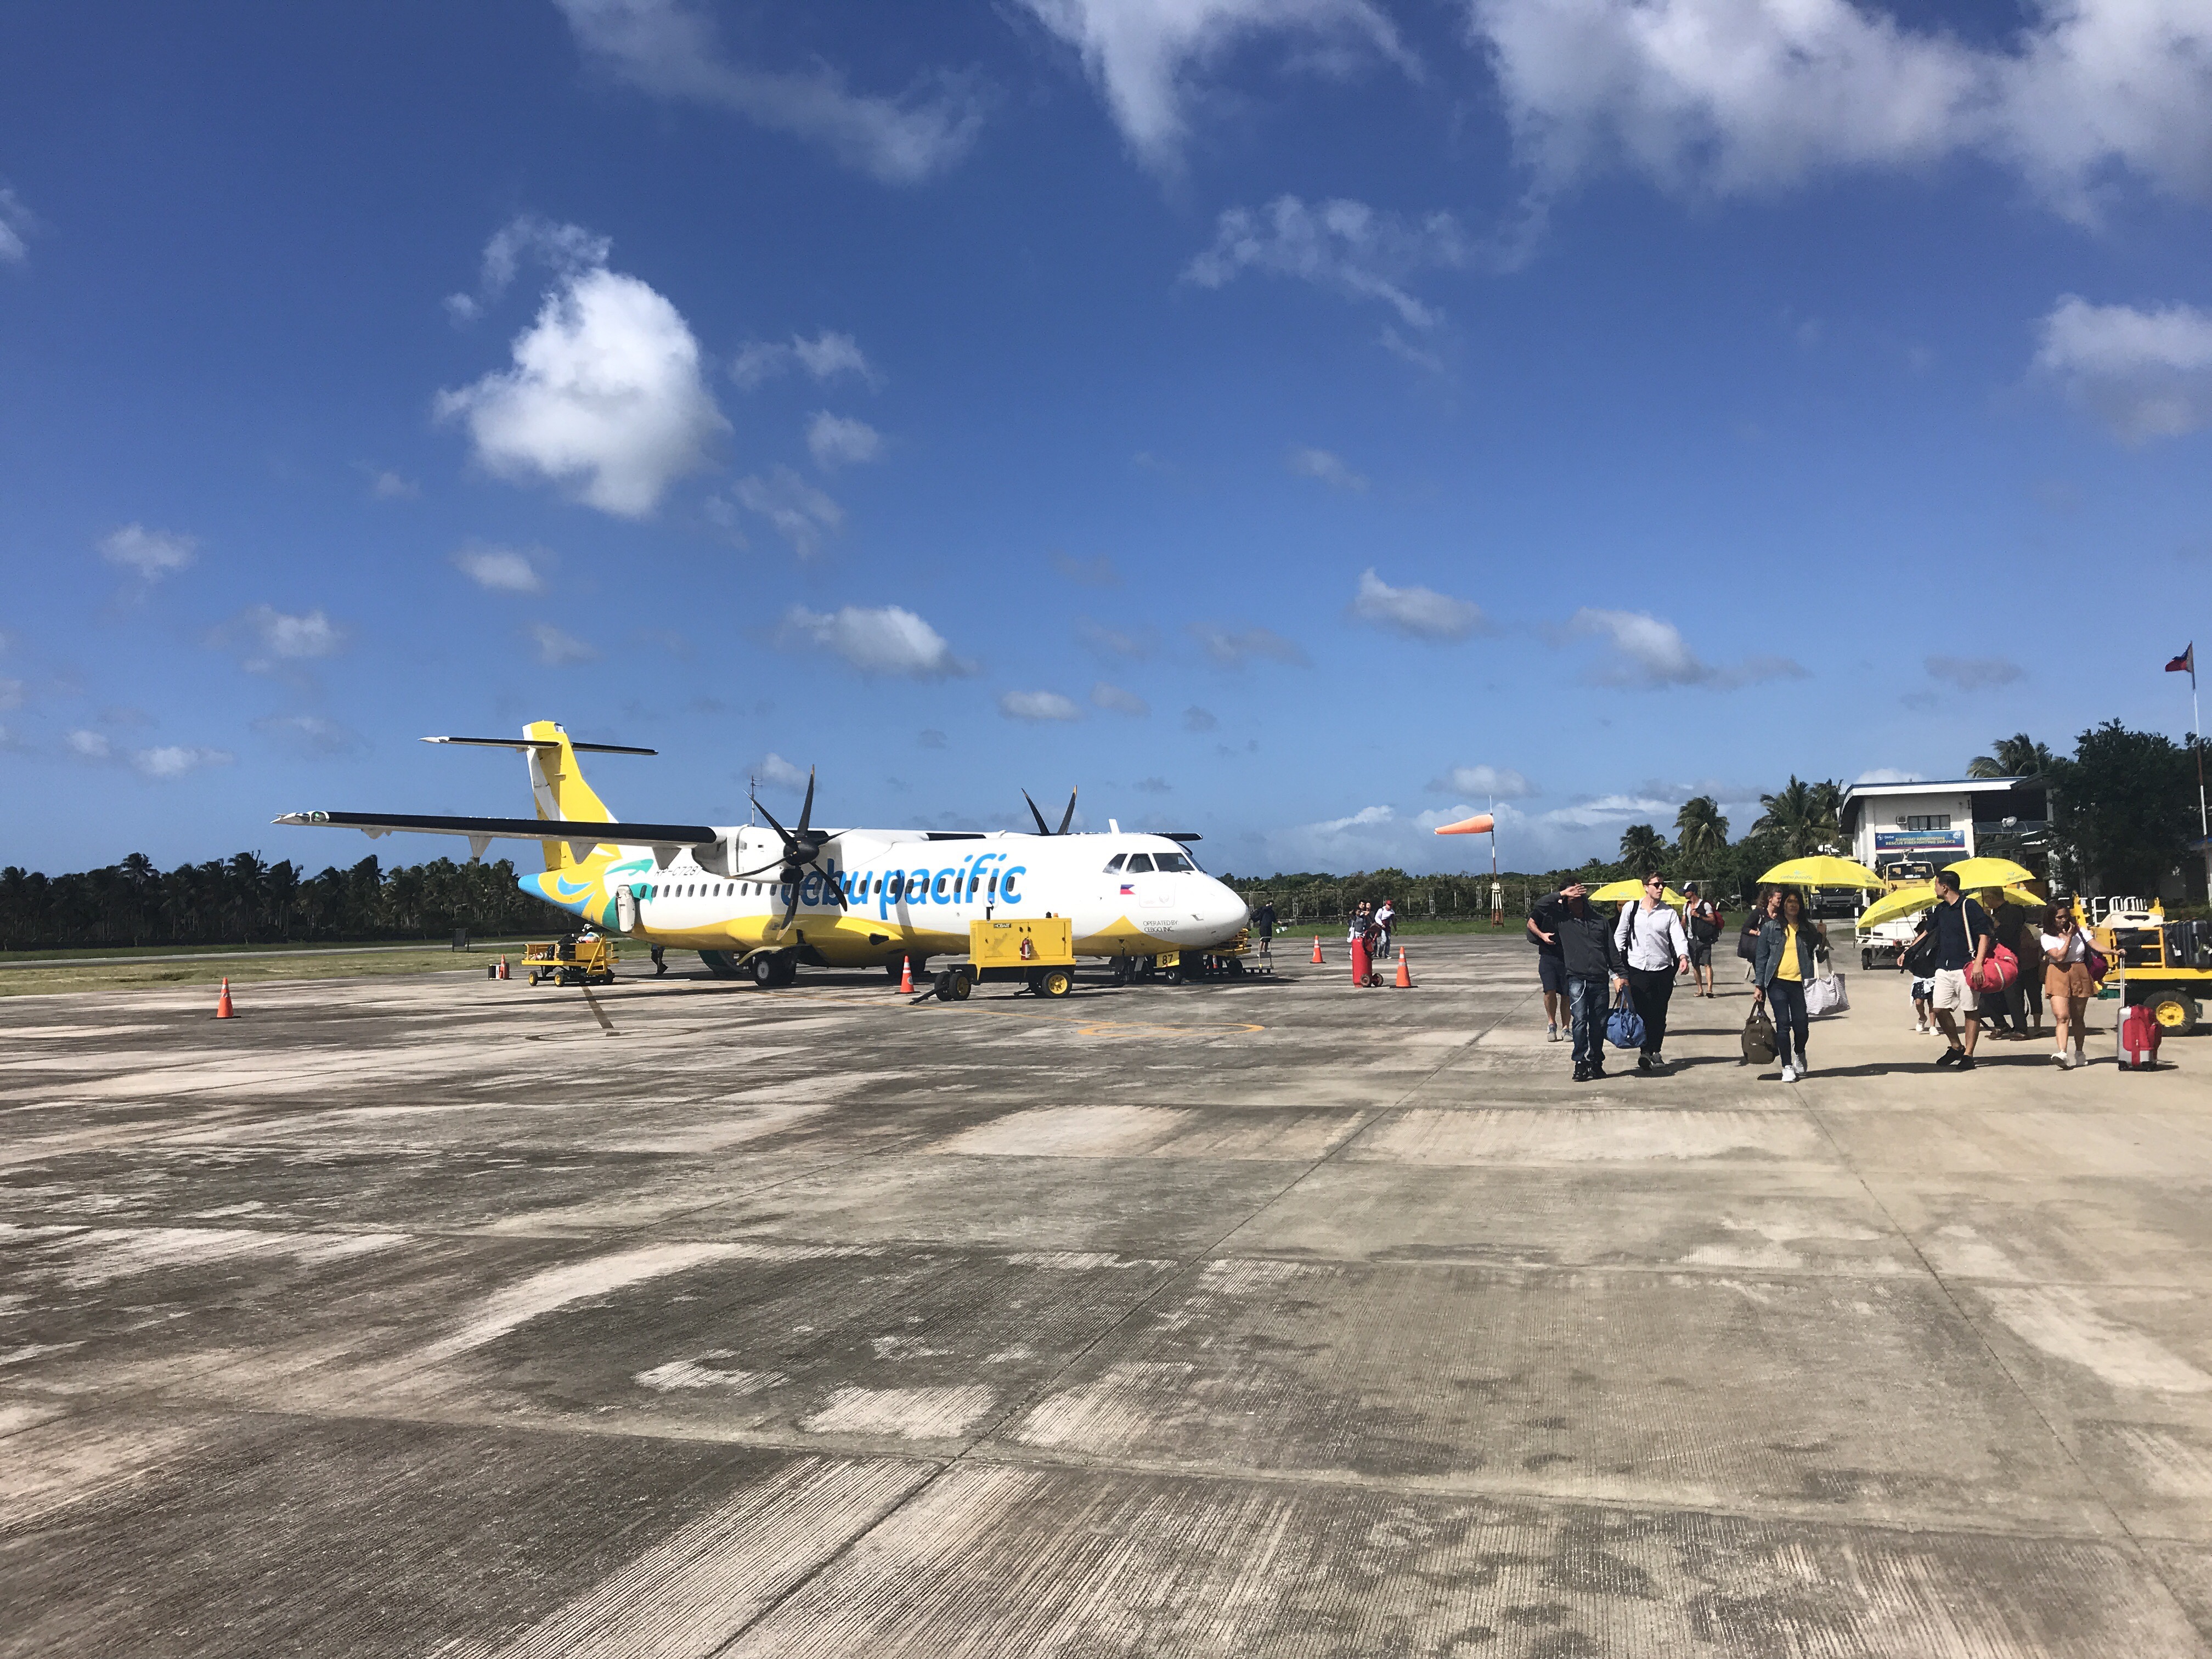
x=1140 y=863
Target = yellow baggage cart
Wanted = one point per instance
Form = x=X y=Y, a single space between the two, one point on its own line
x=571 y=961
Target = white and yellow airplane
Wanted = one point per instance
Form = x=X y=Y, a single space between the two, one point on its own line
x=764 y=902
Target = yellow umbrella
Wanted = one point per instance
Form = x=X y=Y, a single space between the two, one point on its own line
x=1826 y=871
x=1989 y=873
x=1906 y=900
x=1629 y=888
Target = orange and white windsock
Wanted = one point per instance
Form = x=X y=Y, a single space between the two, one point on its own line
x=1480 y=823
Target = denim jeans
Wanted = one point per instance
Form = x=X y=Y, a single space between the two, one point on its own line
x=1785 y=1006
x=1588 y=1001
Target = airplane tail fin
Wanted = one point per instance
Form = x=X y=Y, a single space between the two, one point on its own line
x=558 y=786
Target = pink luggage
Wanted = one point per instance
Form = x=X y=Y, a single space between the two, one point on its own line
x=2139 y=1035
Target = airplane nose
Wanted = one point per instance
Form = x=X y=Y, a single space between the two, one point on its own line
x=1224 y=910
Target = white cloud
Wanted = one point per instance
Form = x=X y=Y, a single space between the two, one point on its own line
x=669 y=49
x=800 y=511
x=1103 y=694
x=1886 y=775
x=1346 y=245
x=825 y=358
x=558 y=650
x=1973 y=673
x=1037 y=705
x=389 y=486
x=1754 y=96
x=311 y=734
x=1142 y=57
x=1649 y=651
x=16 y=224
x=1234 y=648
x=888 y=639
x=293 y=638
x=1329 y=469
x=1419 y=613
x=174 y=760
x=153 y=554
x=779 y=772
x=90 y=745
x=498 y=570
x=604 y=396
x=837 y=440
x=1154 y=786
x=1484 y=783
x=2144 y=374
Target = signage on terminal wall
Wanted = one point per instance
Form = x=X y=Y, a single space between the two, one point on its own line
x=1919 y=841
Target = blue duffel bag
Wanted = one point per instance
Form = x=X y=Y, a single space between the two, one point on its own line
x=1623 y=1026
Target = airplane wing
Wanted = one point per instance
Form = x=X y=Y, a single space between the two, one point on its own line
x=580 y=834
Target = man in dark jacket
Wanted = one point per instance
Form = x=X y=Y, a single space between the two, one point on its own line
x=1963 y=936
x=1594 y=969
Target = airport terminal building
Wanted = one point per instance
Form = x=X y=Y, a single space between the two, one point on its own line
x=1913 y=829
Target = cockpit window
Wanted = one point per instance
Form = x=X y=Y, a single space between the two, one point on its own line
x=1140 y=861
x=1115 y=863
x=1172 y=861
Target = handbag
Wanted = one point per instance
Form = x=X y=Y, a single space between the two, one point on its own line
x=1623 y=1026
x=1920 y=960
x=2094 y=960
x=1759 y=1045
x=1998 y=971
x=1826 y=995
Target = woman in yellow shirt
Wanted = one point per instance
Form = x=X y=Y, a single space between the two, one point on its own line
x=1781 y=965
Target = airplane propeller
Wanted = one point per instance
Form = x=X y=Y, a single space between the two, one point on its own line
x=802 y=849
x=1066 y=819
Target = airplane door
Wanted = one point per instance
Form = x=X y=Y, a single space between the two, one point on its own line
x=626 y=910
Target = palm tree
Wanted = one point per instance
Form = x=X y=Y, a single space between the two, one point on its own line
x=1699 y=829
x=1801 y=816
x=1643 y=848
x=2016 y=756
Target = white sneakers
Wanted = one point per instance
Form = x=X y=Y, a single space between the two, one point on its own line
x=1788 y=1073
x=1923 y=1029
x=2068 y=1062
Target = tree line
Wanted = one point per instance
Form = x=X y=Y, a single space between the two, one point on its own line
x=2123 y=813
x=242 y=900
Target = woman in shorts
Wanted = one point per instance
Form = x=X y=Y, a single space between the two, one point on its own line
x=2066 y=980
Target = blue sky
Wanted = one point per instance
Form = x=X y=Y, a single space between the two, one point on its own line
x=1294 y=420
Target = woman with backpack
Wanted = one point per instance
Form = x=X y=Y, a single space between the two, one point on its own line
x=1784 y=962
x=2067 y=980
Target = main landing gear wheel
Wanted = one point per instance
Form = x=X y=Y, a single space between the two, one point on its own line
x=1121 y=967
x=720 y=963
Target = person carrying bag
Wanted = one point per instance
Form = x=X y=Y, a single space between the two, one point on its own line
x=1785 y=961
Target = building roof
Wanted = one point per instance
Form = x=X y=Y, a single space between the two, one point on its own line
x=1930 y=785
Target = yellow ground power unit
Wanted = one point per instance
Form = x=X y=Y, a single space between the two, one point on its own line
x=1039 y=953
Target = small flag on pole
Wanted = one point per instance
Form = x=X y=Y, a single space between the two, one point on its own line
x=2185 y=663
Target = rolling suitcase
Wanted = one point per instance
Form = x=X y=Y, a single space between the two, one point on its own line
x=2139 y=1035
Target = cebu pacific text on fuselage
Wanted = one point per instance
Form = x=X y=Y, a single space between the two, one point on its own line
x=988 y=876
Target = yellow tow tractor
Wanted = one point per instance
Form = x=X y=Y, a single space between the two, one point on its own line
x=571 y=962
x=2166 y=966
x=1039 y=953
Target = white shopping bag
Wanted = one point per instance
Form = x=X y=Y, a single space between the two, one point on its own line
x=1826 y=995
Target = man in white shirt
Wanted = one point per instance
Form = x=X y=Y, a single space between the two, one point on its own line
x=1656 y=948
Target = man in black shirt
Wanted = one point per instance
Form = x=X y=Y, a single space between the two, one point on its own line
x=1594 y=968
x=1551 y=970
x=1263 y=928
x=1963 y=935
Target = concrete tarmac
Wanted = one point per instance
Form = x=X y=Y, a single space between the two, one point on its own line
x=446 y=1316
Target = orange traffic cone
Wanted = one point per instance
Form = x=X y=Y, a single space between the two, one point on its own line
x=502 y=967
x=222 y=1008
x=906 y=976
x=1405 y=978
x=1316 y=947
